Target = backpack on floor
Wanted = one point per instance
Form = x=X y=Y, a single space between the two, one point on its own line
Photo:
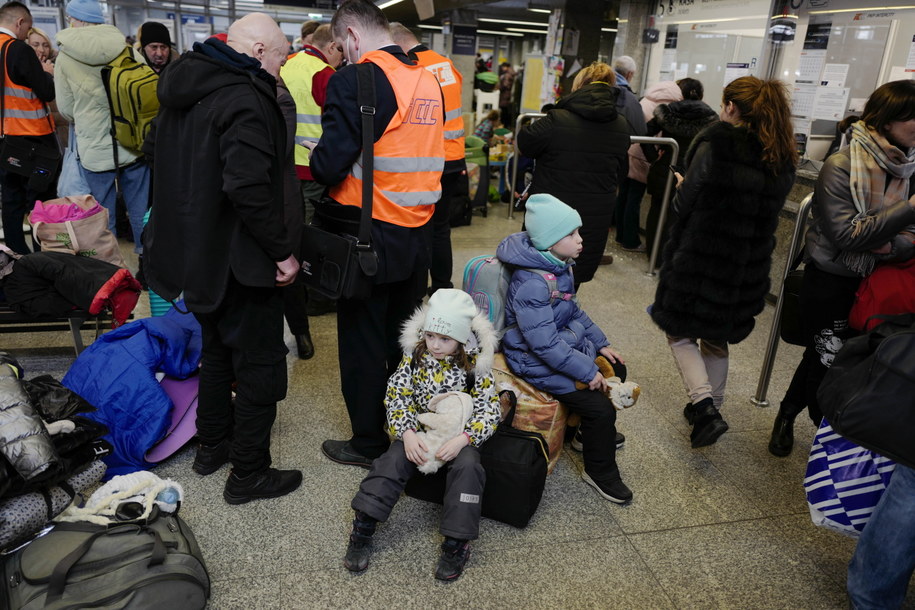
x=131 y=89
x=152 y=564
x=486 y=280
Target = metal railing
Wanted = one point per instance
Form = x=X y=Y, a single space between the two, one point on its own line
x=511 y=187
x=797 y=243
x=665 y=203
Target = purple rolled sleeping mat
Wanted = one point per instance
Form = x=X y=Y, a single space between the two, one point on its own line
x=183 y=425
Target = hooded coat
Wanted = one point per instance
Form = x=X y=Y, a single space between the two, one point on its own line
x=715 y=273
x=220 y=153
x=580 y=149
x=414 y=384
x=659 y=93
x=81 y=97
x=681 y=121
x=550 y=343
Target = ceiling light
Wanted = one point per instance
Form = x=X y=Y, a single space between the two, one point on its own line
x=685 y=21
x=540 y=10
x=544 y=32
x=498 y=33
x=608 y=30
x=774 y=17
x=869 y=9
x=511 y=21
x=429 y=27
x=389 y=3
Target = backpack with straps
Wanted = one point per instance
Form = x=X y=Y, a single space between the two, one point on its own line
x=131 y=90
x=486 y=280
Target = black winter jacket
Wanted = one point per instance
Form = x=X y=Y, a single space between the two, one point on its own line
x=220 y=151
x=681 y=121
x=715 y=273
x=581 y=151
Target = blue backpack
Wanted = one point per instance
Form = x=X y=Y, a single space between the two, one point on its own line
x=486 y=280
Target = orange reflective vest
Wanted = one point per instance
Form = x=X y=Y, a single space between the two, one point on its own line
x=410 y=155
x=450 y=80
x=24 y=114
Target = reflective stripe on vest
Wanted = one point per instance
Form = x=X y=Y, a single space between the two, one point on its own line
x=451 y=81
x=409 y=156
x=298 y=74
x=24 y=114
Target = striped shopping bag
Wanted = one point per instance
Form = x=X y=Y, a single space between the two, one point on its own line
x=844 y=482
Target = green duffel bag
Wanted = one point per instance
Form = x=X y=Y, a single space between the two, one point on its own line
x=123 y=565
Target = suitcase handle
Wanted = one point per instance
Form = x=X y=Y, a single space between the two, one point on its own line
x=58 y=581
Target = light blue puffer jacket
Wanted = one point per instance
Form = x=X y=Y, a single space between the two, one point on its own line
x=550 y=345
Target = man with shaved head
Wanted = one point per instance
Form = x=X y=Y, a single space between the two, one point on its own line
x=216 y=233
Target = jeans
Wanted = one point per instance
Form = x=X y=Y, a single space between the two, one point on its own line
x=884 y=560
x=134 y=185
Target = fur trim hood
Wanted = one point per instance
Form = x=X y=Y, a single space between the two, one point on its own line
x=482 y=344
x=685 y=118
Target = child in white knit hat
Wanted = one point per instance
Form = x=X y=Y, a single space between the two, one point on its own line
x=447 y=347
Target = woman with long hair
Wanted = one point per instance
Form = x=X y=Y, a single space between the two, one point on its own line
x=715 y=274
x=581 y=153
x=863 y=202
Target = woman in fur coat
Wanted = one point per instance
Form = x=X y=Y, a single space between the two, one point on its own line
x=715 y=273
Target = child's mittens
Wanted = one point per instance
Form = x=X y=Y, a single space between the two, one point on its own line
x=623 y=394
x=605 y=369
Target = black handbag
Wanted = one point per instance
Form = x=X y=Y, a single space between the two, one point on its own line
x=515 y=462
x=28 y=156
x=791 y=328
x=339 y=265
x=868 y=394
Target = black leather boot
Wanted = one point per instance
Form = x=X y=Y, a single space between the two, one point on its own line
x=304 y=346
x=708 y=424
x=782 y=440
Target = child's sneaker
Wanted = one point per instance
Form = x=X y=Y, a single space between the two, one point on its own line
x=615 y=492
x=454 y=556
x=577 y=445
x=359 y=548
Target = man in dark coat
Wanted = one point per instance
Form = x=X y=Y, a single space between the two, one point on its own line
x=216 y=232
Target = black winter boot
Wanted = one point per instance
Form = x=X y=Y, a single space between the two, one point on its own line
x=453 y=559
x=360 y=543
x=707 y=424
x=782 y=440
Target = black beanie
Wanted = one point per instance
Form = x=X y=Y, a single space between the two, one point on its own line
x=153 y=31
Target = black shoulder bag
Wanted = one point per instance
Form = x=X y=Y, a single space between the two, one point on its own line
x=515 y=462
x=341 y=265
x=28 y=156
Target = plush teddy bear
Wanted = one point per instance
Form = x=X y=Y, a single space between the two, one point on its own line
x=623 y=394
x=447 y=416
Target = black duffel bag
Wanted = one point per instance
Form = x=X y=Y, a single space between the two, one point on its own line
x=868 y=394
x=515 y=462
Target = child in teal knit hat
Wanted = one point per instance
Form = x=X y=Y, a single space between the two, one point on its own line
x=551 y=343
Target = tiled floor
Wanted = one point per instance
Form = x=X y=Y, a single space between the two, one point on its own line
x=721 y=527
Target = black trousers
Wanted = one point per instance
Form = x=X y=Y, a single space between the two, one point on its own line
x=17 y=201
x=368 y=333
x=442 y=261
x=242 y=342
x=295 y=305
x=598 y=432
x=826 y=300
x=465 y=479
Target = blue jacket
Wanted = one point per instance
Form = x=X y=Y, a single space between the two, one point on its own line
x=116 y=374
x=550 y=345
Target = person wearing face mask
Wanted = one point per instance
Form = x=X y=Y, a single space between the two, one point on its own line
x=216 y=233
x=409 y=153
